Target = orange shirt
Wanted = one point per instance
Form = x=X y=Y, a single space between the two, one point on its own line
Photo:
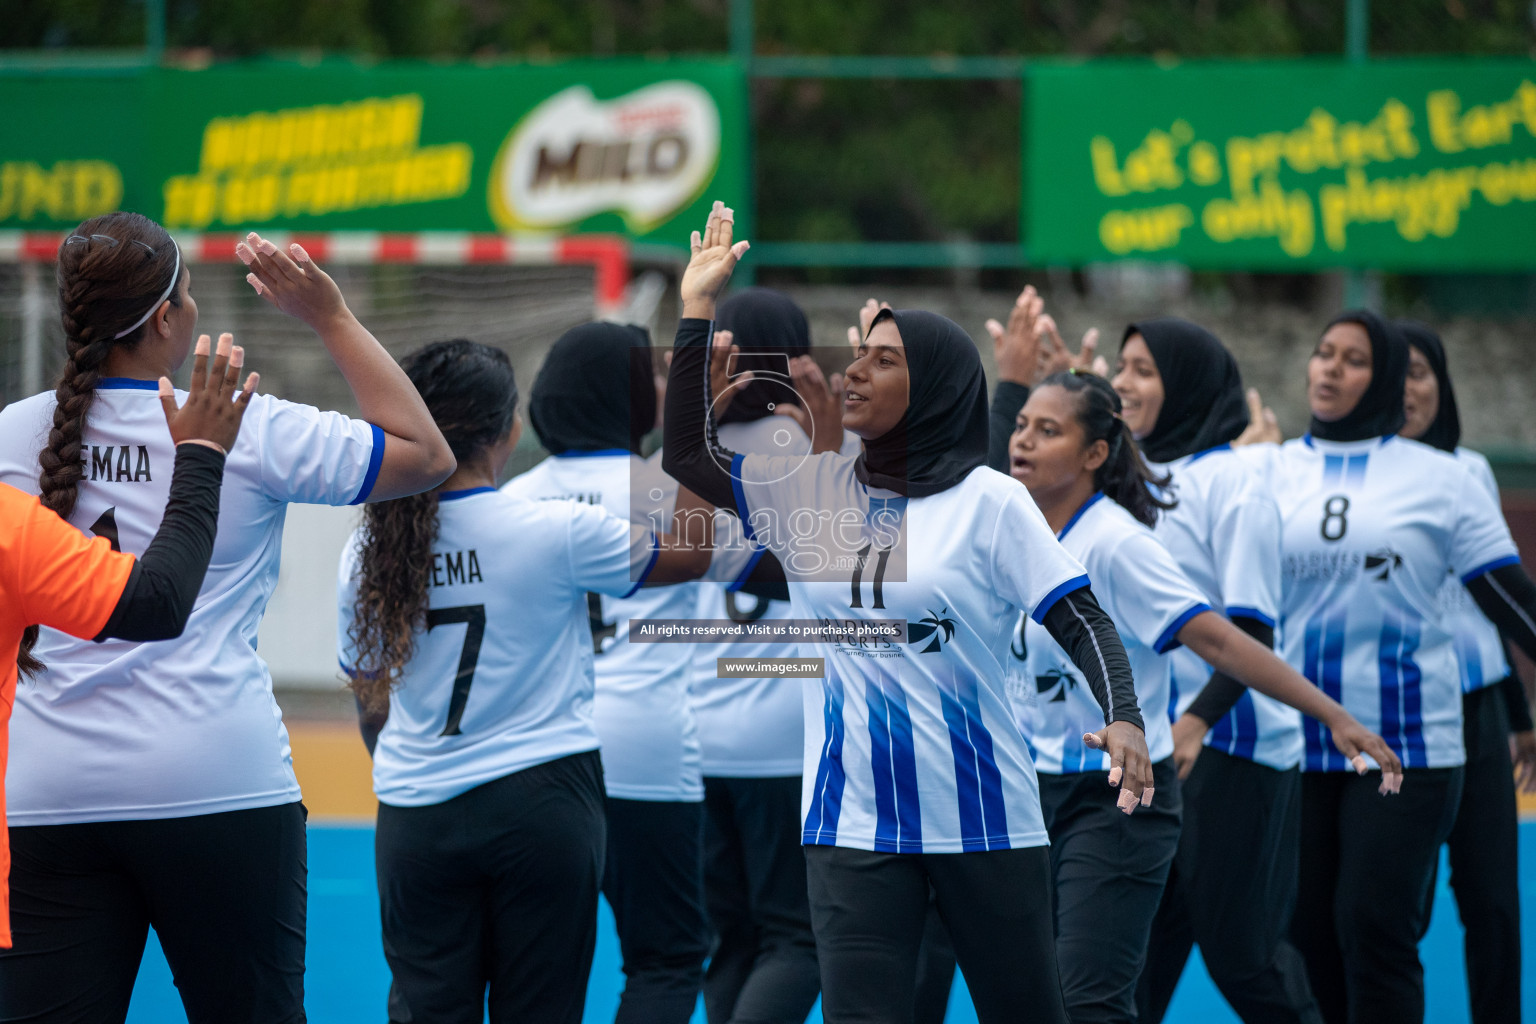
x=51 y=575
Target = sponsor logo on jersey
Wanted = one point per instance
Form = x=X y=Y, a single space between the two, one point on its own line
x=1056 y=683
x=1321 y=567
x=1380 y=564
x=937 y=625
x=866 y=646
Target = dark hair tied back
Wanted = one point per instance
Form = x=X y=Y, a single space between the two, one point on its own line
x=1124 y=476
x=109 y=271
x=470 y=390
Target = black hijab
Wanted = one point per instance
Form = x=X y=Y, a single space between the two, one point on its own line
x=762 y=321
x=943 y=434
x=1380 y=409
x=1203 y=403
x=595 y=390
x=1445 y=432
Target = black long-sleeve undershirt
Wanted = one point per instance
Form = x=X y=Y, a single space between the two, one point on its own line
x=1007 y=399
x=164 y=582
x=1508 y=598
x=1085 y=631
x=1513 y=692
x=1222 y=692
x=691 y=453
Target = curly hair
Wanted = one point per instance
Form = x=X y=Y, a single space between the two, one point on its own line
x=109 y=271
x=472 y=395
x=1124 y=476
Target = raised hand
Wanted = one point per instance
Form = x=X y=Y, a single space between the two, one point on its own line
x=1029 y=348
x=1262 y=427
x=1130 y=765
x=715 y=256
x=1055 y=357
x=821 y=413
x=1017 y=346
x=291 y=281
x=867 y=314
x=213 y=411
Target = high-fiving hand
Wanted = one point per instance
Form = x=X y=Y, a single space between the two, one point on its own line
x=821 y=413
x=867 y=314
x=1029 y=348
x=291 y=281
x=213 y=411
x=715 y=256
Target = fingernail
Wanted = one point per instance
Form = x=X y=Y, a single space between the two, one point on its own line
x=166 y=391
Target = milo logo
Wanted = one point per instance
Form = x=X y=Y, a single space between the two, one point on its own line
x=645 y=155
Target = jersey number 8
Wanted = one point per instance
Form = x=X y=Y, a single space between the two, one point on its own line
x=1335 y=523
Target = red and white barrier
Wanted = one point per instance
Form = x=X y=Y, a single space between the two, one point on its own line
x=608 y=255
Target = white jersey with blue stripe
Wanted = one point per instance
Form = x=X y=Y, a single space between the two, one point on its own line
x=1372 y=529
x=501 y=677
x=649 y=739
x=1142 y=590
x=127 y=731
x=911 y=747
x=1225 y=534
x=751 y=728
x=1479 y=648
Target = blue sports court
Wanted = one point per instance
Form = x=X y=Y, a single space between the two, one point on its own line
x=348 y=979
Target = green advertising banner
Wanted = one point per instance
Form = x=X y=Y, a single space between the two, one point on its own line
x=634 y=147
x=1294 y=165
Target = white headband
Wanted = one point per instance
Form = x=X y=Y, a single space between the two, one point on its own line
x=175 y=276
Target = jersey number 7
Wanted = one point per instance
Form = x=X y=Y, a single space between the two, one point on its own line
x=473 y=616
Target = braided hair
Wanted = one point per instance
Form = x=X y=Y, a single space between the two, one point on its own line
x=472 y=395
x=108 y=273
x=1124 y=476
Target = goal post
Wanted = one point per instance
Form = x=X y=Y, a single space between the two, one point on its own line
x=409 y=288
